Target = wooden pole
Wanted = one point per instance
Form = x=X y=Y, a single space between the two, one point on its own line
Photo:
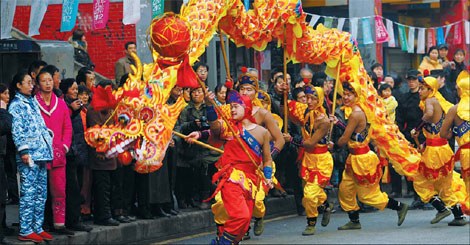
x=333 y=107
x=224 y=54
x=199 y=143
x=285 y=82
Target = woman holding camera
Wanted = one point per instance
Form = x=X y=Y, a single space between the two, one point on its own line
x=77 y=155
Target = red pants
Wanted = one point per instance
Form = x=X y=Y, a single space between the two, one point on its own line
x=239 y=206
x=57 y=179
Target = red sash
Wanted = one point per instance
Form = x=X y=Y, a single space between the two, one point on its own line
x=318 y=150
x=465 y=172
x=359 y=150
x=436 y=142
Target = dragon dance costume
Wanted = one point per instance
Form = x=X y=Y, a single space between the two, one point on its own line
x=238 y=177
x=435 y=184
x=317 y=163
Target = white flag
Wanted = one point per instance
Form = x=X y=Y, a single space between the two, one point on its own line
x=6 y=18
x=391 y=34
x=341 y=23
x=131 y=12
x=314 y=20
x=411 y=39
x=38 y=10
x=448 y=27
x=420 y=49
x=354 y=27
x=467 y=32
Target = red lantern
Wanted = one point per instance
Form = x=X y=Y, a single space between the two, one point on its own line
x=170 y=36
x=125 y=158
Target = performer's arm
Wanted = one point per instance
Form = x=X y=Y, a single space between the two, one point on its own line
x=267 y=161
x=350 y=127
x=428 y=111
x=274 y=130
x=446 y=129
x=320 y=132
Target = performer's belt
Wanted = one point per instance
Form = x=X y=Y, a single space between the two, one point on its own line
x=359 y=150
x=436 y=142
x=318 y=150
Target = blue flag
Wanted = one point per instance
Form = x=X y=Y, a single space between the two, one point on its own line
x=440 y=36
x=69 y=15
x=366 y=31
x=247 y=4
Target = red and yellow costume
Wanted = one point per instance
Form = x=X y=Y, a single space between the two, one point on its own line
x=317 y=163
x=437 y=161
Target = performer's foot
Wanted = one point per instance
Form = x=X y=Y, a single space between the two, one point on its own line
x=309 y=230
x=350 y=226
x=258 y=226
x=458 y=222
x=402 y=213
x=440 y=216
x=326 y=215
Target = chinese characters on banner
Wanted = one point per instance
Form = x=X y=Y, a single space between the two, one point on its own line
x=158 y=7
x=100 y=13
x=381 y=34
x=69 y=15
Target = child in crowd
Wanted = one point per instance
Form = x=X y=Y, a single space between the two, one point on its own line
x=391 y=104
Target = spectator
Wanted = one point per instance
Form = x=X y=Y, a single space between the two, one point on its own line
x=56 y=79
x=34 y=143
x=5 y=128
x=220 y=94
x=408 y=117
x=457 y=66
x=431 y=61
x=196 y=164
x=339 y=154
x=80 y=45
x=377 y=74
x=306 y=73
x=443 y=88
x=76 y=157
x=123 y=65
x=299 y=95
x=187 y=94
x=443 y=51
x=389 y=80
x=55 y=113
x=300 y=82
x=87 y=78
x=104 y=170
x=202 y=71
x=399 y=87
x=34 y=69
x=385 y=91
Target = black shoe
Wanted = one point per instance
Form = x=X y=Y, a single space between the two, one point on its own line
x=171 y=211
x=131 y=218
x=205 y=205
x=80 y=227
x=192 y=203
x=276 y=193
x=122 y=219
x=87 y=217
x=108 y=222
x=63 y=231
x=8 y=231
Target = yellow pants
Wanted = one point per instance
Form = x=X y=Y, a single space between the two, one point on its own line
x=427 y=188
x=367 y=194
x=259 y=210
x=314 y=196
x=218 y=209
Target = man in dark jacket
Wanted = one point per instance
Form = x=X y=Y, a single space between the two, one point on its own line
x=5 y=128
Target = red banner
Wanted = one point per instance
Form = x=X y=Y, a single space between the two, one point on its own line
x=431 y=38
x=381 y=34
x=457 y=34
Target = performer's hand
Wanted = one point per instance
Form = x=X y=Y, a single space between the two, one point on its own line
x=210 y=96
x=287 y=137
x=421 y=148
x=77 y=104
x=414 y=133
x=193 y=136
x=269 y=183
x=25 y=158
x=172 y=143
x=331 y=145
x=333 y=119
x=3 y=105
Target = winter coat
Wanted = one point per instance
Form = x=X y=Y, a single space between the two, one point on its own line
x=5 y=128
x=98 y=161
x=79 y=148
x=29 y=131
x=57 y=118
x=428 y=64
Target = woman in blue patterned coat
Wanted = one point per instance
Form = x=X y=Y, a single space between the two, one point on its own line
x=33 y=141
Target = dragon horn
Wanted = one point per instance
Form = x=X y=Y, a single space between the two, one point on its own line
x=137 y=70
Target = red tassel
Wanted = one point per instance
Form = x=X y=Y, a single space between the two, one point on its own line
x=306 y=81
x=348 y=78
x=187 y=78
x=244 y=69
x=103 y=98
x=229 y=84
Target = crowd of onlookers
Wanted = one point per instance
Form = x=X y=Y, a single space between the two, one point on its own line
x=64 y=183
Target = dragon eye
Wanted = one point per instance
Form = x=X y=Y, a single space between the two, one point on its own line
x=123 y=119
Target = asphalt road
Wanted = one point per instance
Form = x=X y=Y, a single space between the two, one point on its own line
x=377 y=228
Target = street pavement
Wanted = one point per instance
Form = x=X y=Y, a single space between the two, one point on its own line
x=377 y=228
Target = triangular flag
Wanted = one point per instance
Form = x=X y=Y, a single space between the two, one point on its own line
x=381 y=34
x=440 y=36
x=328 y=23
x=38 y=9
x=391 y=33
x=314 y=20
x=420 y=49
x=353 y=22
x=448 y=27
x=402 y=37
x=457 y=34
x=131 y=12
x=411 y=40
x=341 y=23
x=431 y=39
x=467 y=32
x=366 y=31
x=8 y=8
